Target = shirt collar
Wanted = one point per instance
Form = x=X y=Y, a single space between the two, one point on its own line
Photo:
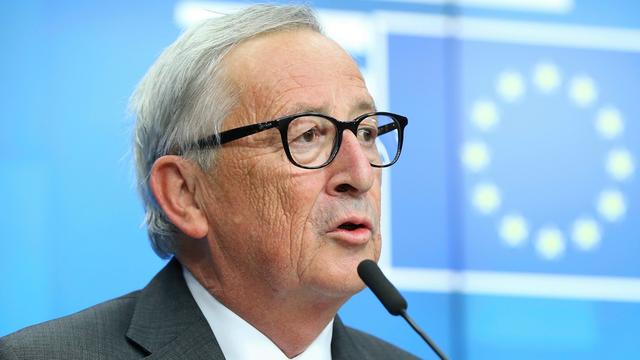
x=240 y=340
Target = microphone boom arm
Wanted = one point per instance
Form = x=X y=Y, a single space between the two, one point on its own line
x=391 y=298
x=423 y=335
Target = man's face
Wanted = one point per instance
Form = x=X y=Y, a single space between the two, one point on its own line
x=271 y=221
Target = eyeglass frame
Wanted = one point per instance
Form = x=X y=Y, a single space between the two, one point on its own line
x=282 y=124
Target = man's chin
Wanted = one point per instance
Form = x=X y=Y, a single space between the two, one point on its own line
x=335 y=273
x=338 y=285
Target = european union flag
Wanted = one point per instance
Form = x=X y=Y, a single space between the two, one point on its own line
x=519 y=157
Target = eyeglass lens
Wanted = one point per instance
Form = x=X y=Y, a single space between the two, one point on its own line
x=311 y=139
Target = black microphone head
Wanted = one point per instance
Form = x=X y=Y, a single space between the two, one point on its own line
x=388 y=295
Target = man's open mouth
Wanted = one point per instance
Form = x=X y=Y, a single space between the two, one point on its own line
x=351 y=226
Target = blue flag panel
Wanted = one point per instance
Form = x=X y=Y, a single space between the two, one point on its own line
x=518 y=157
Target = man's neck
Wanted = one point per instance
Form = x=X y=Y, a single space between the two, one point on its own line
x=292 y=321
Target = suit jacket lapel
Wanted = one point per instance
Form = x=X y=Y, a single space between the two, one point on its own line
x=167 y=323
x=342 y=345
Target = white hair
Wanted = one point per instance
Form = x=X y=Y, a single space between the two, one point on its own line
x=185 y=96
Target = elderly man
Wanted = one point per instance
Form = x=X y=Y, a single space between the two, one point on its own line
x=266 y=201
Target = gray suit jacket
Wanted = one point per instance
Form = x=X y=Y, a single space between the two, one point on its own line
x=162 y=321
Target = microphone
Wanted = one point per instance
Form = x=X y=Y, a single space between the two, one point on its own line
x=389 y=296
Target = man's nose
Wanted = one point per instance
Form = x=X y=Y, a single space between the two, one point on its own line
x=352 y=171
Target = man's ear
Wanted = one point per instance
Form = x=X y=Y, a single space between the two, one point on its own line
x=173 y=183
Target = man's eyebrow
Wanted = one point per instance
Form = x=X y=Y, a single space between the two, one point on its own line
x=303 y=108
x=366 y=106
x=361 y=107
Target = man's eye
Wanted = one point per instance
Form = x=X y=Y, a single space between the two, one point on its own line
x=367 y=134
x=309 y=135
x=306 y=138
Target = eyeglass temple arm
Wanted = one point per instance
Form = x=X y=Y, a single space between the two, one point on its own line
x=224 y=137
x=387 y=128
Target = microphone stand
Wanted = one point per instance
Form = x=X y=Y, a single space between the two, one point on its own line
x=423 y=335
x=391 y=299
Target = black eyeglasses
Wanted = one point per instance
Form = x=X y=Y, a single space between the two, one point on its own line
x=312 y=140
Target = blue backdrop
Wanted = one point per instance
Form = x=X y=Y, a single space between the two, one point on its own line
x=513 y=211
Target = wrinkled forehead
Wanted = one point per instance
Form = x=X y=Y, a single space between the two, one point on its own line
x=294 y=71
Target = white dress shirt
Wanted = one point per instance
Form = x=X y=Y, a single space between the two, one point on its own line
x=239 y=340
